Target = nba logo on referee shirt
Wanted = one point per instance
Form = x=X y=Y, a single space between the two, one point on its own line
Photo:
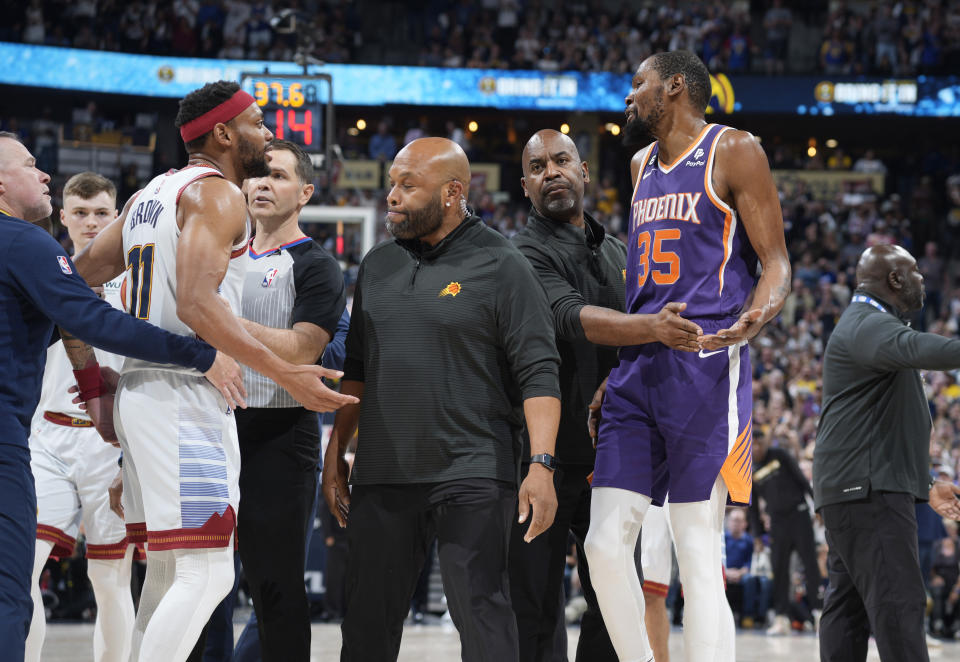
x=269 y=276
x=64 y=264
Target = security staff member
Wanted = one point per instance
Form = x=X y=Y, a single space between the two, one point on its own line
x=778 y=480
x=871 y=463
x=582 y=270
x=450 y=336
x=293 y=297
x=39 y=286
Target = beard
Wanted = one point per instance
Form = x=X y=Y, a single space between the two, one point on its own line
x=253 y=162
x=419 y=222
x=638 y=132
x=915 y=298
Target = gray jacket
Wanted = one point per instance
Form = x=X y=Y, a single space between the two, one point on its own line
x=875 y=424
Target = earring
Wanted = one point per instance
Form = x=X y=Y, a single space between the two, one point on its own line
x=448 y=204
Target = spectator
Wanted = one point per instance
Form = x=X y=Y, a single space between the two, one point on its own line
x=836 y=54
x=869 y=163
x=945 y=587
x=777 y=22
x=739 y=554
x=383 y=146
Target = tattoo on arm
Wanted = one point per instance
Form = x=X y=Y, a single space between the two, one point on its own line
x=79 y=352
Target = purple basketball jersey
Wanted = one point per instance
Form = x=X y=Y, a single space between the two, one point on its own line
x=673 y=421
x=685 y=243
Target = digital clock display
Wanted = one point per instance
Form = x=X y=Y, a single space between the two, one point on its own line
x=292 y=108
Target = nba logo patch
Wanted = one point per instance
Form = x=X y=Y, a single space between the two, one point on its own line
x=268 y=277
x=64 y=264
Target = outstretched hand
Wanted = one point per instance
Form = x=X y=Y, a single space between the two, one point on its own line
x=305 y=384
x=743 y=330
x=945 y=499
x=676 y=332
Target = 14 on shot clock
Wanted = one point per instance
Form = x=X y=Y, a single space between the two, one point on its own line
x=292 y=108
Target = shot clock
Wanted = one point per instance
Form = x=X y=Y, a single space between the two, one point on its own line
x=295 y=108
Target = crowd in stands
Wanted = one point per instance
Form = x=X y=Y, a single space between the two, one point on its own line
x=902 y=38
x=892 y=38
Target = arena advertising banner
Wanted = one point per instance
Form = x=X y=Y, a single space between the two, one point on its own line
x=828 y=184
x=369 y=85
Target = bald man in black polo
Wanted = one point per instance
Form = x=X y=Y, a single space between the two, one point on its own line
x=450 y=348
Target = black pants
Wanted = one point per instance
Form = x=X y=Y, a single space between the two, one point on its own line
x=389 y=532
x=788 y=532
x=279 y=449
x=875 y=581
x=536 y=578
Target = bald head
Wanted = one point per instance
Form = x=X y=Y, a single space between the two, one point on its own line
x=438 y=159
x=550 y=140
x=891 y=272
x=429 y=181
x=554 y=176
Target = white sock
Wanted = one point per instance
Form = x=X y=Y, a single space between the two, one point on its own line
x=161 y=570
x=111 y=588
x=615 y=519
x=38 y=626
x=708 y=629
x=203 y=579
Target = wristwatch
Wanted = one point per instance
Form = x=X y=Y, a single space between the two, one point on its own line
x=547 y=460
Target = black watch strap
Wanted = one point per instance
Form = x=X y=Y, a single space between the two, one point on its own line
x=547 y=460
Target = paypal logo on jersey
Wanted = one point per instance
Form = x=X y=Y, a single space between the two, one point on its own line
x=269 y=276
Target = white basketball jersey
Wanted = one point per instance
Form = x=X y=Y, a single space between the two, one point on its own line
x=150 y=240
x=58 y=371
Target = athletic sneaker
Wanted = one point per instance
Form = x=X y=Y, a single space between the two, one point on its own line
x=780 y=627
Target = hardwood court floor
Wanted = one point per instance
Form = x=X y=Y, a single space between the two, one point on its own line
x=439 y=643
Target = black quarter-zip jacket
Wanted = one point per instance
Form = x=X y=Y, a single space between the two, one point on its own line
x=448 y=340
x=577 y=267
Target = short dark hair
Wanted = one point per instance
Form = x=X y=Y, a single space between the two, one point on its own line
x=304 y=164
x=87 y=185
x=203 y=101
x=694 y=73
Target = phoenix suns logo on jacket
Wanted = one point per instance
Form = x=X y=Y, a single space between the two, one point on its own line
x=453 y=289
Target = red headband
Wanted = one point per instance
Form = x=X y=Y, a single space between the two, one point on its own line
x=225 y=112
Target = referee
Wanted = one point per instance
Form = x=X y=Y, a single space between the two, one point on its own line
x=293 y=297
x=451 y=345
x=39 y=287
x=871 y=463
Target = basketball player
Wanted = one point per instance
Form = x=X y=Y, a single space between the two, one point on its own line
x=180 y=238
x=704 y=212
x=39 y=286
x=653 y=555
x=73 y=467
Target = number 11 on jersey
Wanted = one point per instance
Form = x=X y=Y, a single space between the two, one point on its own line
x=140 y=261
